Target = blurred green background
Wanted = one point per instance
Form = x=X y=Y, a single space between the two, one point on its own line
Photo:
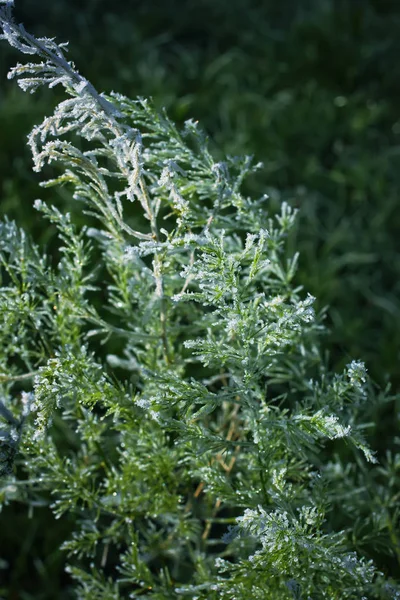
x=311 y=89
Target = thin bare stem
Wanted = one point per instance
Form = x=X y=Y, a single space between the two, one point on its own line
x=4 y=378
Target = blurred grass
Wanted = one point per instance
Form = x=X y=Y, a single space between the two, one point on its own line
x=310 y=88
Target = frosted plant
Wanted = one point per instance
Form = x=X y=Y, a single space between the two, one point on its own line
x=175 y=402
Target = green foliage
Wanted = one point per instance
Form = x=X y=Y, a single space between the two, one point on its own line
x=164 y=392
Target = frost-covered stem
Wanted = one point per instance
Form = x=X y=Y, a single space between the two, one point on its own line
x=157 y=269
x=189 y=277
x=84 y=87
x=124 y=226
x=57 y=60
x=157 y=265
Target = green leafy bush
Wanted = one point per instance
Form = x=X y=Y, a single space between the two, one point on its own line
x=310 y=87
x=164 y=392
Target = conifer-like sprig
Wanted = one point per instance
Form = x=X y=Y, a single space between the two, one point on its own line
x=191 y=402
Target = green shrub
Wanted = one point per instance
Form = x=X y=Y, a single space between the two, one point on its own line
x=306 y=86
x=164 y=392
